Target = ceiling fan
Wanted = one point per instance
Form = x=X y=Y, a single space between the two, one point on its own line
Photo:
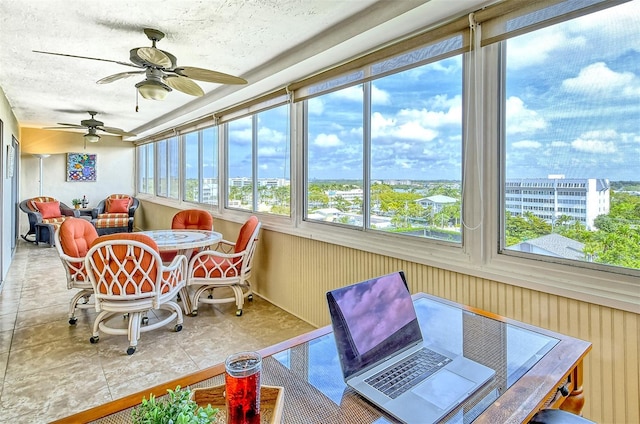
x=93 y=126
x=161 y=70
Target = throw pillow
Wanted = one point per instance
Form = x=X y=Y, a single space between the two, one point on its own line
x=118 y=206
x=49 y=209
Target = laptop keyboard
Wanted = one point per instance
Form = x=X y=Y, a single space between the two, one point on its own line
x=406 y=374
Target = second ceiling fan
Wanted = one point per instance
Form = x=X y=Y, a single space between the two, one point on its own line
x=161 y=70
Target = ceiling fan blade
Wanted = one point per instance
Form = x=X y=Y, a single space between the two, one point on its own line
x=207 y=75
x=90 y=58
x=116 y=131
x=183 y=84
x=154 y=56
x=69 y=126
x=121 y=75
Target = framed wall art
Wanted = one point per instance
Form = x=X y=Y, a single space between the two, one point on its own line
x=81 y=166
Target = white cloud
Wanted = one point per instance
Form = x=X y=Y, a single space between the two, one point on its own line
x=605 y=134
x=593 y=145
x=241 y=135
x=598 y=79
x=379 y=96
x=327 y=140
x=271 y=136
x=267 y=151
x=315 y=106
x=431 y=118
x=520 y=119
x=353 y=93
x=534 y=50
x=526 y=144
x=414 y=131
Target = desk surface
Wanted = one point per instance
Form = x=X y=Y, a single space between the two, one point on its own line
x=183 y=239
x=530 y=363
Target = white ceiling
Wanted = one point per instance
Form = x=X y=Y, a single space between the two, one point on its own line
x=268 y=42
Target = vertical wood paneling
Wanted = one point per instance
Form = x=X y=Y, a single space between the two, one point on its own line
x=295 y=273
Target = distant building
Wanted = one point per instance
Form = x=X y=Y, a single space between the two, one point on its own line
x=553 y=245
x=436 y=202
x=581 y=199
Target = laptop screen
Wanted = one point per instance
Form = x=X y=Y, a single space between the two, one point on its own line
x=372 y=320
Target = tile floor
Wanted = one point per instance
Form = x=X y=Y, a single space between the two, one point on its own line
x=48 y=368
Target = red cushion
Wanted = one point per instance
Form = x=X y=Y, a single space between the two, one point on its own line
x=118 y=206
x=76 y=236
x=244 y=237
x=49 y=209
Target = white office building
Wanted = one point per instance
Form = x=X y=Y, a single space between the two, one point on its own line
x=581 y=199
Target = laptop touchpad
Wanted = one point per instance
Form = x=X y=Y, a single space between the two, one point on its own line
x=443 y=389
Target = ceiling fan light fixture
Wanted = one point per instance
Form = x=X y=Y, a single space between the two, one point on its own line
x=91 y=138
x=153 y=90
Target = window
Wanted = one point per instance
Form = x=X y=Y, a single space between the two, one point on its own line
x=146 y=168
x=572 y=120
x=416 y=151
x=259 y=161
x=335 y=157
x=386 y=154
x=163 y=174
x=192 y=169
x=274 y=161
x=240 y=163
x=209 y=166
x=201 y=166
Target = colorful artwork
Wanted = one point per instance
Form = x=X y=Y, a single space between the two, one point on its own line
x=81 y=167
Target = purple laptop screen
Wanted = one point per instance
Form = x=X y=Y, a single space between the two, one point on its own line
x=372 y=320
x=375 y=309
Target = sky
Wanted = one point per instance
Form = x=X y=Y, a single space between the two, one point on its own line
x=572 y=107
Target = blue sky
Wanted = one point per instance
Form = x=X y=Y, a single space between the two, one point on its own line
x=572 y=107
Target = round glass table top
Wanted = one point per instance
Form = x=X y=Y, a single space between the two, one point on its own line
x=183 y=239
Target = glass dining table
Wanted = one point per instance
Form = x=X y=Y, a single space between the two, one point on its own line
x=184 y=242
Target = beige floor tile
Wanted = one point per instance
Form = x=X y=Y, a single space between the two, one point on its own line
x=49 y=369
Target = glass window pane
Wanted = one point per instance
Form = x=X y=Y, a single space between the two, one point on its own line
x=142 y=168
x=571 y=139
x=274 y=157
x=334 y=157
x=416 y=151
x=191 y=167
x=210 y=166
x=240 y=172
x=174 y=168
x=163 y=175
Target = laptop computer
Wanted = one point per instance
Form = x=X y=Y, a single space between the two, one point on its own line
x=378 y=339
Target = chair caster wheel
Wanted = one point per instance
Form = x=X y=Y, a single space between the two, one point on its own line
x=210 y=296
x=239 y=313
x=94 y=339
x=131 y=350
x=178 y=327
x=145 y=320
x=72 y=321
x=250 y=297
x=194 y=313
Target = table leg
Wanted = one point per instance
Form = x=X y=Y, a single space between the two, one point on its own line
x=575 y=401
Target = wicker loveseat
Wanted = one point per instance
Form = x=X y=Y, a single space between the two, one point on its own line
x=115 y=214
x=45 y=214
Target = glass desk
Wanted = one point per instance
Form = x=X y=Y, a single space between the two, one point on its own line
x=535 y=368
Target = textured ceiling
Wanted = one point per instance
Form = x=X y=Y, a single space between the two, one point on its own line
x=267 y=42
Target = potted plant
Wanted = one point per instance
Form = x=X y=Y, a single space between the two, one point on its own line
x=177 y=407
x=76 y=203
